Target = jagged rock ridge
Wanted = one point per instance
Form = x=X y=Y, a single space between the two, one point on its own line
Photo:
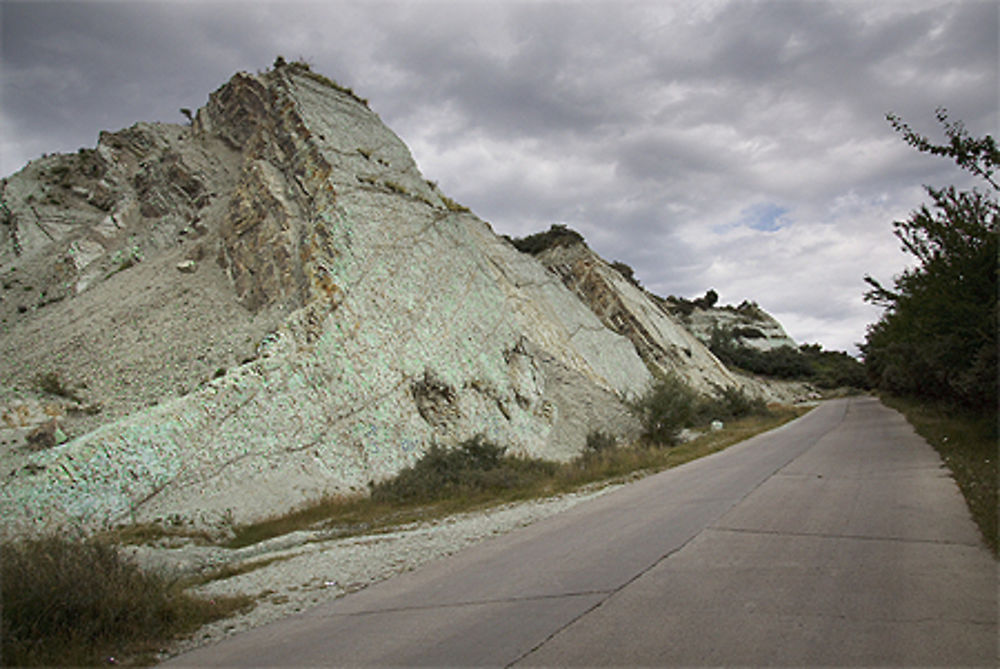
x=747 y=324
x=271 y=305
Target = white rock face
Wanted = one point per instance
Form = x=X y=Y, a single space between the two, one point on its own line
x=659 y=338
x=408 y=323
x=751 y=326
x=272 y=305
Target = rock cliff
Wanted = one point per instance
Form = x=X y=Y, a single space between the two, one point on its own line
x=227 y=319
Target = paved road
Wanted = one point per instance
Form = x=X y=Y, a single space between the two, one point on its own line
x=837 y=539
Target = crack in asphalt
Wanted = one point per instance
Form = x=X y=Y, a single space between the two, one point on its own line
x=477 y=602
x=829 y=535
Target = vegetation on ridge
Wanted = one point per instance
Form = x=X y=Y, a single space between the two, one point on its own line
x=557 y=235
x=305 y=69
x=809 y=362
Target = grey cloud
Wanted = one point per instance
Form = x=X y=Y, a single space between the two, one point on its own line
x=646 y=125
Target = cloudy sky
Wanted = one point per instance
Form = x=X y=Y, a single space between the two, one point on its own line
x=740 y=146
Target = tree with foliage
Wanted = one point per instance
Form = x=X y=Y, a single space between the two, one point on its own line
x=708 y=301
x=937 y=338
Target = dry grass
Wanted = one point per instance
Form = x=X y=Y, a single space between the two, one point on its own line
x=80 y=603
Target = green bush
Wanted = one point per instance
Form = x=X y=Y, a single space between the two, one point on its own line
x=556 y=235
x=731 y=403
x=670 y=405
x=475 y=467
x=665 y=409
x=69 y=602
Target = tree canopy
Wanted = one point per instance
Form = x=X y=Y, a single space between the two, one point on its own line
x=937 y=338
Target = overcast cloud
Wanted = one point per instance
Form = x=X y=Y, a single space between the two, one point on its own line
x=740 y=146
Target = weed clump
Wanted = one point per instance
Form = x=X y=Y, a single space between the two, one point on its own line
x=600 y=442
x=79 y=602
x=53 y=384
x=476 y=467
x=451 y=205
x=666 y=409
x=733 y=402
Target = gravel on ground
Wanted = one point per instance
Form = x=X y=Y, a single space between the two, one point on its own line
x=299 y=570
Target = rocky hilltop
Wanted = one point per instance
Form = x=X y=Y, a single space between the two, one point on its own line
x=747 y=324
x=216 y=322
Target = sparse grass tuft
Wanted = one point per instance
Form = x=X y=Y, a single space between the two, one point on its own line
x=305 y=69
x=79 y=602
x=396 y=187
x=53 y=384
x=452 y=205
x=967 y=442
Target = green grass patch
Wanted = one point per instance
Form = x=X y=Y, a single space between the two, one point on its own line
x=80 y=603
x=149 y=534
x=967 y=442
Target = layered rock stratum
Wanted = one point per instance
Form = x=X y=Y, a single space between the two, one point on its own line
x=213 y=323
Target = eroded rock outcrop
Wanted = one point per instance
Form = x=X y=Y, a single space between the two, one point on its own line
x=393 y=320
x=272 y=304
x=747 y=323
x=663 y=343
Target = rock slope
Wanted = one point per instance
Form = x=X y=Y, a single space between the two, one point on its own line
x=214 y=323
x=270 y=306
x=663 y=343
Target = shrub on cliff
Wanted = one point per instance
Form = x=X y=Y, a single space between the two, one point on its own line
x=731 y=403
x=627 y=272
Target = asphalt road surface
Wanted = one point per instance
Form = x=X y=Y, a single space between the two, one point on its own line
x=837 y=539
